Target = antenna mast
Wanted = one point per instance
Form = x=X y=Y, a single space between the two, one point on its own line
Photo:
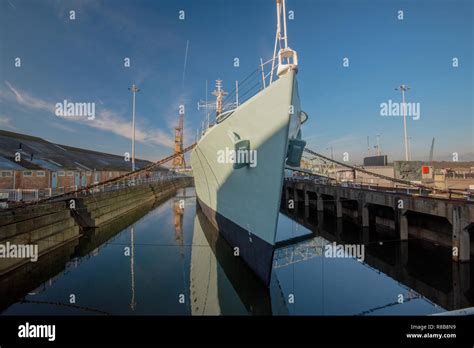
x=219 y=93
x=285 y=53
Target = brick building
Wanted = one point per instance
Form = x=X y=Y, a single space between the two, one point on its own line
x=28 y=162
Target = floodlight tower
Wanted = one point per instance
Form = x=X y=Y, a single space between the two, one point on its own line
x=134 y=90
x=403 y=89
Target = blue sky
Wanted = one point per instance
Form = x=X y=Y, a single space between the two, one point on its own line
x=82 y=61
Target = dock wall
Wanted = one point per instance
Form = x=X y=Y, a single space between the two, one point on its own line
x=50 y=225
x=444 y=221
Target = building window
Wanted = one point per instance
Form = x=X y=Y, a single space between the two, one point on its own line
x=6 y=173
x=110 y=174
x=40 y=173
x=70 y=173
x=61 y=173
x=88 y=173
x=27 y=174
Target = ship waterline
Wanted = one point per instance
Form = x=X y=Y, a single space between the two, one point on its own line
x=243 y=201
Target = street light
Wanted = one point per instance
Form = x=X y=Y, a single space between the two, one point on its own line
x=134 y=90
x=409 y=147
x=403 y=89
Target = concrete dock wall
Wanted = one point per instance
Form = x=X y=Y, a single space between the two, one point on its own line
x=100 y=208
x=51 y=225
x=45 y=226
x=440 y=220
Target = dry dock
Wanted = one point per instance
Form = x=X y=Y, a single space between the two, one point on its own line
x=53 y=224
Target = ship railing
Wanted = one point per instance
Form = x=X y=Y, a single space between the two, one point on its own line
x=256 y=81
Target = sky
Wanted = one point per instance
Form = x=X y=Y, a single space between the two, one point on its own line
x=82 y=60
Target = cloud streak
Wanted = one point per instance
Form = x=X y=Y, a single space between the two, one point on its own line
x=106 y=120
x=6 y=122
x=27 y=100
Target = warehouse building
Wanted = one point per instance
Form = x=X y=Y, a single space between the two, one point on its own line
x=32 y=163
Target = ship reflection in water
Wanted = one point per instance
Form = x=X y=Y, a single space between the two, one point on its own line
x=167 y=259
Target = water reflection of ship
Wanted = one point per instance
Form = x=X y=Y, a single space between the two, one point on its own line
x=221 y=283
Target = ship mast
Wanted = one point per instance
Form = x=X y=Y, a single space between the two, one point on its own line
x=219 y=93
x=285 y=53
x=218 y=105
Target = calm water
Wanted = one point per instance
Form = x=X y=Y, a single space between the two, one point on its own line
x=167 y=259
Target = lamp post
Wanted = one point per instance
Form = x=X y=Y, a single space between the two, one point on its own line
x=134 y=90
x=403 y=89
x=409 y=148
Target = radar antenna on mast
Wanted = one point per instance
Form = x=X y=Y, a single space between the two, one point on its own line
x=218 y=105
x=219 y=93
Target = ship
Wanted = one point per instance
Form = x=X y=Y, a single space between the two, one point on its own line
x=239 y=162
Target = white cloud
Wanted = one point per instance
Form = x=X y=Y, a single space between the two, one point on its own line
x=109 y=121
x=6 y=122
x=27 y=100
x=106 y=120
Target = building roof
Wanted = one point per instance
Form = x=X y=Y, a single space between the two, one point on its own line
x=7 y=164
x=37 y=153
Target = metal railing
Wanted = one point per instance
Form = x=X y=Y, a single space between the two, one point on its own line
x=451 y=193
x=128 y=177
x=398 y=188
x=130 y=182
x=16 y=195
x=30 y=195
